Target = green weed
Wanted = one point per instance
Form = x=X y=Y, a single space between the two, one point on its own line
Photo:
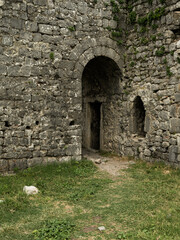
x=54 y=229
x=160 y=52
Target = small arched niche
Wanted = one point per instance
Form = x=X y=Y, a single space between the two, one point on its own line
x=139 y=114
x=100 y=82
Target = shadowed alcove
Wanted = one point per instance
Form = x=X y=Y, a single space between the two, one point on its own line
x=139 y=114
x=100 y=84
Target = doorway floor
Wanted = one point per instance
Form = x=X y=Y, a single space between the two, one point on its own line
x=111 y=164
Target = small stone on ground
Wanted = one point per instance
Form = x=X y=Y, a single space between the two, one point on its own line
x=102 y=228
x=30 y=190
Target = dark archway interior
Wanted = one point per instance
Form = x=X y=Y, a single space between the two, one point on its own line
x=100 y=82
x=139 y=117
x=95 y=124
x=100 y=77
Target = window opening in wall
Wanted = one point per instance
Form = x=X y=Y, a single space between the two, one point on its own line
x=7 y=124
x=139 y=117
x=176 y=27
x=95 y=108
x=71 y=123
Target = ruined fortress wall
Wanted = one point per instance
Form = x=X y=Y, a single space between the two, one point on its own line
x=152 y=72
x=45 y=46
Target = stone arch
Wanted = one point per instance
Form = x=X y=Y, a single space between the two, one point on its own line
x=91 y=48
x=82 y=54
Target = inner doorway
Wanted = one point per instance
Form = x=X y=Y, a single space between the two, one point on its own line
x=100 y=93
x=95 y=124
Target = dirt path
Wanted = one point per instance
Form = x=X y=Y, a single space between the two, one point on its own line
x=111 y=164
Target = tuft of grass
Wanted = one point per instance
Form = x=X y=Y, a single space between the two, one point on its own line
x=132 y=17
x=132 y=64
x=107 y=154
x=51 y=56
x=168 y=71
x=72 y=28
x=160 y=52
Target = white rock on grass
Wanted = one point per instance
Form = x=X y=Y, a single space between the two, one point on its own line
x=30 y=190
x=1 y=201
x=102 y=228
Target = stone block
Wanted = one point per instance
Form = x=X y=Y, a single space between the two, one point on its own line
x=17 y=23
x=13 y=71
x=45 y=29
x=17 y=163
x=32 y=26
x=164 y=115
x=1 y=50
x=176 y=17
x=25 y=71
x=178 y=88
x=147 y=123
x=165 y=144
x=178 y=44
x=3 y=70
x=172 y=155
x=7 y=41
x=147 y=152
x=40 y=2
x=34 y=161
x=37 y=37
x=2 y=2
x=178 y=141
x=177 y=97
x=175 y=125
x=3 y=165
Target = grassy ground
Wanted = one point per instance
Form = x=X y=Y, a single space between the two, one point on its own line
x=75 y=199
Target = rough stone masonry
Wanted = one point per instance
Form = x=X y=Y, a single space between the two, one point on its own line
x=99 y=74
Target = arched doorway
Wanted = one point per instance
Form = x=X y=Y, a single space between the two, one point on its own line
x=100 y=88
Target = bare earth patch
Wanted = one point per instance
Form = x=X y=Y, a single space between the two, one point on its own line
x=110 y=164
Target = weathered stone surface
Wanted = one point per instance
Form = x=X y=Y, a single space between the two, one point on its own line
x=47 y=29
x=17 y=23
x=175 y=125
x=3 y=166
x=177 y=97
x=172 y=154
x=57 y=59
x=2 y=2
x=3 y=70
x=7 y=41
x=40 y=2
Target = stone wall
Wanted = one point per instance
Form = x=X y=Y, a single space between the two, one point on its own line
x=152 y=72
x=45 y=46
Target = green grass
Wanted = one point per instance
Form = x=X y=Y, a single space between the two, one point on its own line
x=76 y=198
